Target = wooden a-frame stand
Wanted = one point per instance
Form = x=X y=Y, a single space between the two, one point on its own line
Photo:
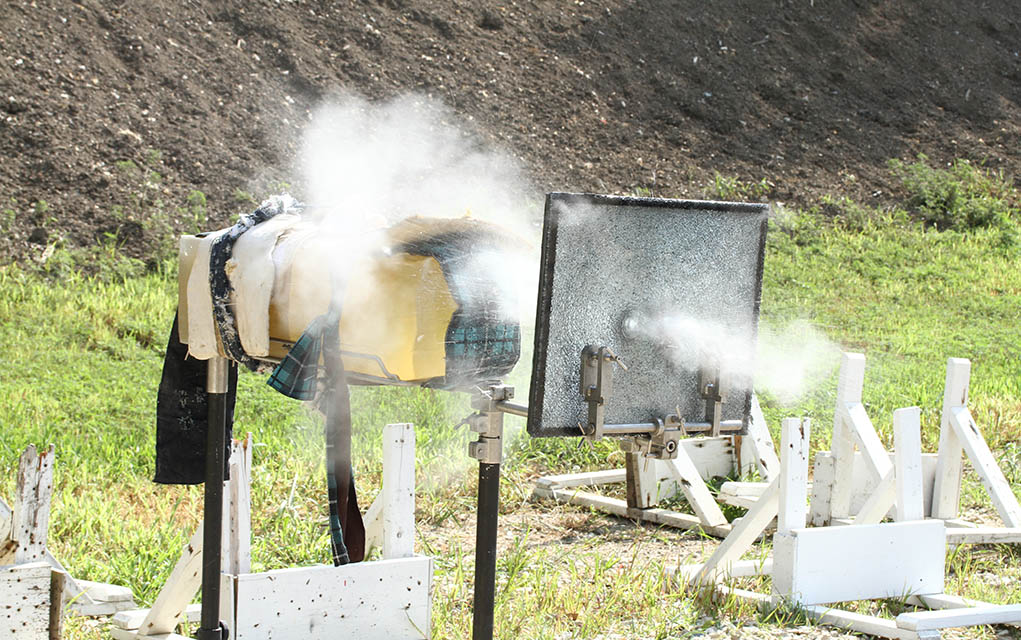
x=386 y=599
x=24 y=532
x=904 y=559
x=649 y=481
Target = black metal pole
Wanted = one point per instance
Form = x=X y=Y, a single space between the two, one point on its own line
x=212 y=524
x=485 y=551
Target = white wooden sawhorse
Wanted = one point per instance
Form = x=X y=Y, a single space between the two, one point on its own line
x=650 y=481
x=895 y=560
x=858 y=486
x=387 y=599
x=24 y=532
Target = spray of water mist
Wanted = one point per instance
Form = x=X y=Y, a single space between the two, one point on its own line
x=785 y=361
x=367 y=165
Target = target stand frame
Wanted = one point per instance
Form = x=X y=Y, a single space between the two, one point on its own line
x=904 y=559
x=650 y=480
x=387 y=599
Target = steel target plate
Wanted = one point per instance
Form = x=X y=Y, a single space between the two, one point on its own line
x=670 y=286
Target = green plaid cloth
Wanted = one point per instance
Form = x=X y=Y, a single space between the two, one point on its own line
x=298 y=372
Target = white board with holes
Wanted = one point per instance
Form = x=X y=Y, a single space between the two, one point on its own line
x=385 y=600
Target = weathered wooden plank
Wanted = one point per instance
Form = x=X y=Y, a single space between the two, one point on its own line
x=907 y=438
x=865 y=436
x=968 y=617
x=850 y=382
x=985 y=466
x=870 y=625
x=864 y=486
x=947 y=487
x=58 y=582
x=983 y=535
x=132 y=620
x=586 y=479
x=373 y=520
x=739 y=569
x=793 y=498
x=874 y=561
x=642 y=481
x=31 y=517
x=880 y=501
x=757 y=445
x=398 y=491
x=751 y=489
x=695 y=491
x=616 y=507
x=743 y=534
x=177 y=592
x=237 y=529
x=25 y=592
x=385 y=600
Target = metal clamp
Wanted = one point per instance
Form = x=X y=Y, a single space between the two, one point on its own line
x=661 y=442
x=487 y=421
x=597 y=386
x=715 y=394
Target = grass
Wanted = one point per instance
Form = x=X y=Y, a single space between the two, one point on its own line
x=81 y=363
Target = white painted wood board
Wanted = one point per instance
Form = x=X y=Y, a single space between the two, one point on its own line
x=947 y=492
x=373 y=520
x=398 y=491
x=757 y=447
x=31 y=517
x=793 y=498
x=965 y=617
x=863 y=485
x=642 y=481
x=695 y=491
x=986 y=466
x=743 y=534
x=384 y=600
x=25 y=599
x=617 y=507
x=850 y=382
x=907 y=438
x=859 y=562
x=871 y=625
x=132 y=619
x=179 y=589
x=983 y=535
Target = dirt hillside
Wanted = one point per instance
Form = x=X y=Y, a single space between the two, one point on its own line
x=113 y=115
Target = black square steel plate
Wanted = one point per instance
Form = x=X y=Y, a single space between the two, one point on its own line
x=671 y=286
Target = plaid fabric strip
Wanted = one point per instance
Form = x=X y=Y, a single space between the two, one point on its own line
x=296 y=375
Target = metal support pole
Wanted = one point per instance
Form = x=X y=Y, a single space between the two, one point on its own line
x=485 y=551
x=488 y=450
x=216 y=435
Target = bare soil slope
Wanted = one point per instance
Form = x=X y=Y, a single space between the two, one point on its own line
x=610 y=96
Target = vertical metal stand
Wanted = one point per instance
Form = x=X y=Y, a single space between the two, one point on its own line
x=488 y=450
x=216 y=388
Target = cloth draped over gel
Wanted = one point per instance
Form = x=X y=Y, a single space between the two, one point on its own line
x=418 y=303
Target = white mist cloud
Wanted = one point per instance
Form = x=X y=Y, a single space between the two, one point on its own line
x=788 y=361
x=792 y=359
x=372 y=164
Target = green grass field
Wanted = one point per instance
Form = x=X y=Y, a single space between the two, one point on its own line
x=81 y=359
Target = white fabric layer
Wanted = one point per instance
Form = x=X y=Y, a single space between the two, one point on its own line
x=252 y=273
x=201 y=328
